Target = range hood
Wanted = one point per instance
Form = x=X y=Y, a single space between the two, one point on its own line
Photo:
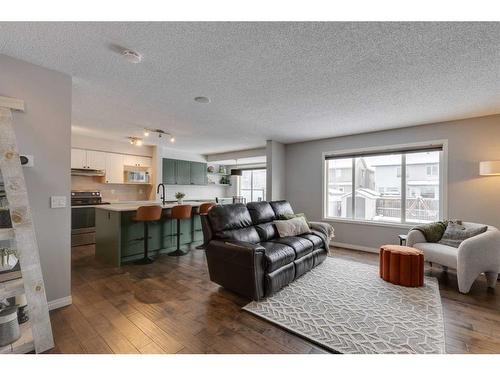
x=87 y=172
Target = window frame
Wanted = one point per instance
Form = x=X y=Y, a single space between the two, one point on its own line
x=251 y=183
x=443 y=179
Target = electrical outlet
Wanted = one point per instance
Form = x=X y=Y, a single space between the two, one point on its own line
x=58 y=201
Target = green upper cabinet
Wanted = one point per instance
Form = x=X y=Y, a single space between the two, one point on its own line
x=169 y=171
x=183 y=172
x=198 y=173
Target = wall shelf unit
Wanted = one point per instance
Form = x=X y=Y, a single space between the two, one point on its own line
x=36 y=334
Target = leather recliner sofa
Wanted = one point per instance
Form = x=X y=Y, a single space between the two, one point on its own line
x=246 y=255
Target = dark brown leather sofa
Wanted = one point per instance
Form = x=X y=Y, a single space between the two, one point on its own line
x=246 y=255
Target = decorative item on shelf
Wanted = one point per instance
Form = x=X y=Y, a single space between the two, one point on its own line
x=9 y=265
x=224 y=180
x=9 y=327
x=222 y=169
x=179 y=196
x=22 y=312
x=236 y=172
x=210 y=169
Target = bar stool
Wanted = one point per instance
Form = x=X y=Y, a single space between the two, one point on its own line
x=204 y=208
x=146 y=214
x=180 y=212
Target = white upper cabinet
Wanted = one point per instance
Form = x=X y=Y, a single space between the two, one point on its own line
x=137 y=161
x=114 y=168
x=78 y=158
x=96 y=160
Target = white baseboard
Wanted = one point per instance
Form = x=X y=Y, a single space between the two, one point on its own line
x=355 y=247
x=60 y=302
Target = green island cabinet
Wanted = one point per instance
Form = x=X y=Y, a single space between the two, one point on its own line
x=184 y=172
x=119 y=239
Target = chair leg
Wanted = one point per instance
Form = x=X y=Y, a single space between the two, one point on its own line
x=146 y=259
x=491 y=279
x=178 y=252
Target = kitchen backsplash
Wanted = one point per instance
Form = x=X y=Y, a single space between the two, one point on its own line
x=111 y=192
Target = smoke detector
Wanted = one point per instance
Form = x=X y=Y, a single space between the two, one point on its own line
x=132 y=56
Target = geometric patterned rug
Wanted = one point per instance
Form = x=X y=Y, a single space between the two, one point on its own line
x=347 y=308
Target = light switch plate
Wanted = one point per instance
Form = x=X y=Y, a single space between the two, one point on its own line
x=58 y=201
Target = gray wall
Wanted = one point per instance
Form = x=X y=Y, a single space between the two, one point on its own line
x=44 y=131
x=469 y=196
x=275 y=175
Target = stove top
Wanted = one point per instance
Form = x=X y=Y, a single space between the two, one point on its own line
x=86 y=198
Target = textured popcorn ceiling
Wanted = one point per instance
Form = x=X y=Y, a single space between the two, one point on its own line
x=283 y=81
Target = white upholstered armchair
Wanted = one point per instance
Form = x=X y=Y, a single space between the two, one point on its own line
x=474 y=256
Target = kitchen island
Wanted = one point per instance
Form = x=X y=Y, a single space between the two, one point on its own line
x=119 y=239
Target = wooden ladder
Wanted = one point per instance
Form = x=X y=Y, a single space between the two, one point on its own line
x=36 y=333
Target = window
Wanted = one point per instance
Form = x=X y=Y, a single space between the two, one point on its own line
x=253 y=185
x=393 y=187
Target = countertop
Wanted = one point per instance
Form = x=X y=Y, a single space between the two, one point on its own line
x=133 y=206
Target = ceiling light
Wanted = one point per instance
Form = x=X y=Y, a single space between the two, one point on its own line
x=202 y=99
x=172 y=139
x=135 y=141
x=132 y=56
x=146 y=132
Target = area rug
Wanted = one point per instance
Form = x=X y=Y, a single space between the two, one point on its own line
x=346 y=307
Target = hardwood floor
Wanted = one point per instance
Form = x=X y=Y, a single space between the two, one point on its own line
x=171 y=306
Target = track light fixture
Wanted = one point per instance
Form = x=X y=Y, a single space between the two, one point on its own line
x=160 y=133
x=135 y=141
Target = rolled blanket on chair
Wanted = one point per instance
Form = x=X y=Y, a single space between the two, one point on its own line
x=325 y=229
x=432 y=231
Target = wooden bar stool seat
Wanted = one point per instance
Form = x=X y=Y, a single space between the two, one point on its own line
x=180 y=212
x=146 y=214
x=203 y=212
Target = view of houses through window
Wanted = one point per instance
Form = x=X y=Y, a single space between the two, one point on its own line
x=378 y=184
x=253 y=185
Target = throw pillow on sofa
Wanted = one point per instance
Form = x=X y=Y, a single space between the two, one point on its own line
x=292 y=227
x=291 y=216
x=456 y=233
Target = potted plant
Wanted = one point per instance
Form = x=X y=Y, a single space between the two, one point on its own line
x=179 y=196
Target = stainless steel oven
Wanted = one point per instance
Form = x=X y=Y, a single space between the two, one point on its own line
x=83 y=216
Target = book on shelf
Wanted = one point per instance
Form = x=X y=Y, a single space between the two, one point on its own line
x=11 y=274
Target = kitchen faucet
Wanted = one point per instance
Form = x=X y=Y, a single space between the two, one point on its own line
x=162 y=196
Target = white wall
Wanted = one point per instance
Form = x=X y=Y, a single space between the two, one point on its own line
x=192 y=192
x=91 y=143
x=470 y=197
x=276 y=174
x=44 y=131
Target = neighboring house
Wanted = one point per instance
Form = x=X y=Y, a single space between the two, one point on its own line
x=378 y=188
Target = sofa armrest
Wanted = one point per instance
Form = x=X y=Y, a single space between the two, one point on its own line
x=325 y=229
x=482 y=251
x=415 y=236
x=237 y=266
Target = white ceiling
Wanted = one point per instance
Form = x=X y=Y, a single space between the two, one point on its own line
x=283 y=81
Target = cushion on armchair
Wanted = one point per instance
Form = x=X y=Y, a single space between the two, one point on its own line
x=456 y=233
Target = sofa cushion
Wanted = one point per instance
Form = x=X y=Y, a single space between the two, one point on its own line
x=456 y=233
x=303 y=265
x=266 y=231
x=229 y=216
x=276 y=280
x=244 y=234
x=261 y=212
x=281 y=208
x=315 y=239
x=277 y=255
x=301 y=246
x=438 y=253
